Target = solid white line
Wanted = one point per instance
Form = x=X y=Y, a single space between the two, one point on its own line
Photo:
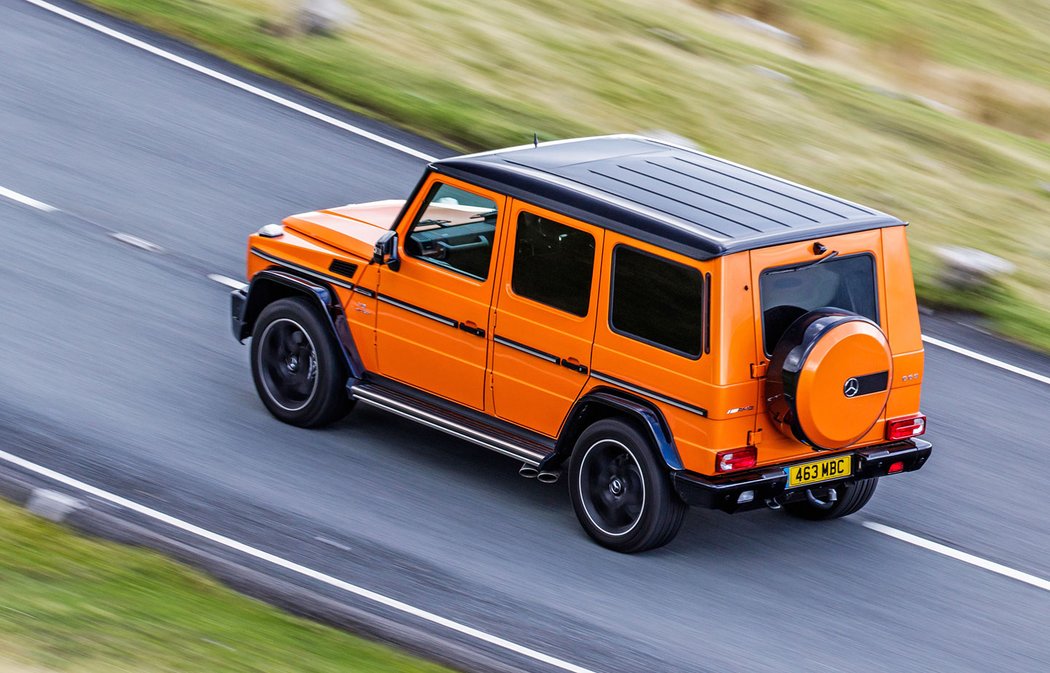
x=227 y=281
x=1014 y=369
x=951 y=552
x=290 y=565
x=26 y=201
x=215 y=74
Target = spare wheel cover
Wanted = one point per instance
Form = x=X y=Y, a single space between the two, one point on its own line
x=828 y=380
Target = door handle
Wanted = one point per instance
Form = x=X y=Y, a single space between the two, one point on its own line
x=471 y=327
x=574 y=365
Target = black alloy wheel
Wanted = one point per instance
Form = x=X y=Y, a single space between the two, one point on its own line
x=297 y=366
x=620 y=489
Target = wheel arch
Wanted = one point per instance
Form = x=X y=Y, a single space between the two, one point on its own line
x=602 y=403
x=270 y=285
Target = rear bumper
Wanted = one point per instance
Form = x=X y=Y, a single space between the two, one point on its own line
x=768 y=483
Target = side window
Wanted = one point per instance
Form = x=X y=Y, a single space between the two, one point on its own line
x=553 y=264
x=657 y=301
x=454 y=229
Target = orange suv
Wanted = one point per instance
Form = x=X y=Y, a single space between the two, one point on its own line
x=665 y=327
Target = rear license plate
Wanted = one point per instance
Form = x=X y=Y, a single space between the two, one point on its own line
x=819 y=470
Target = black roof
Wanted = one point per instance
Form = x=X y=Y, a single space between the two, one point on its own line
x=674 y=197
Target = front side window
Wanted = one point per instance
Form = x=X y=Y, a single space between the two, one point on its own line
x=455 y=229
x=789 y=292
x=553 y=264
x=657 y=301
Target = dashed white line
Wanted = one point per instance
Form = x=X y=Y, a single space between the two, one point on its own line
x=951 y=552
x=297 y=568
x=232 y=283
x=26 y=200
x=137 y=242
x=1013 y=369
x=232 y=81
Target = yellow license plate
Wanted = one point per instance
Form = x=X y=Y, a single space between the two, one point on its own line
x=819 y=470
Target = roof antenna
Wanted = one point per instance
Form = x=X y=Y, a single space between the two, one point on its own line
x=535 y=139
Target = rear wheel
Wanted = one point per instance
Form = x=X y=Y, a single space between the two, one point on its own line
x=297 y=365
x=620 y=490
x=849 y=498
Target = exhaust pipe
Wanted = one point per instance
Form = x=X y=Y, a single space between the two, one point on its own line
x=529 y=472
x=548 y=477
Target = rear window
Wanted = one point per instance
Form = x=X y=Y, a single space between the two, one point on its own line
x=657 y=301
x=790 y=292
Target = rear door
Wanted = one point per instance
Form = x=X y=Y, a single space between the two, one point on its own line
x=546 y=304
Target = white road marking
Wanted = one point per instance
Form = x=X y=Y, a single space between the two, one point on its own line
x=290 y=565
x=1013 y=369
x=137 y=242
x=26 y=201
x=951 y=552
x=226 y=79
x=227 y=281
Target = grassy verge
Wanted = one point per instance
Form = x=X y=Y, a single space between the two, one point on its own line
x=68 y=603
x=491 y=72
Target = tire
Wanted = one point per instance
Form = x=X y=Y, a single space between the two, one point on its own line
x=297 y=366
x=620 y=489
x=851 y=497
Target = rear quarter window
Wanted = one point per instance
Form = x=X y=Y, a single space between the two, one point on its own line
x=657 y=301
x=789 y=292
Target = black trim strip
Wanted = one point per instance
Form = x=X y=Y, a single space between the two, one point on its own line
x=437 y=317
x=707 y=314
x=301 y=269
x=365 y=291
x=553 y=359
x=649 y=393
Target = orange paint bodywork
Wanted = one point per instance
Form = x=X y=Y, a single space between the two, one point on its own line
x=725 y=386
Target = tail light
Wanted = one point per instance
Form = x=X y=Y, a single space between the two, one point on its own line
x=904 y=428
x=736 y=459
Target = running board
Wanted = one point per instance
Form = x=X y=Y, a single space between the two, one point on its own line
x=441 y=416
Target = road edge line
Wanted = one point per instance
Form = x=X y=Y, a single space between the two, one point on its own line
x=227 y=79
x=952 y=552
x=273 y=559
x=974 y=355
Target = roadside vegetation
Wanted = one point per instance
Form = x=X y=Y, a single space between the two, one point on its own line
x=937 y=112
x=69 y=603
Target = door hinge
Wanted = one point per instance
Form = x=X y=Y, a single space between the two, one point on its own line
x=754 y=437
x=759 y=371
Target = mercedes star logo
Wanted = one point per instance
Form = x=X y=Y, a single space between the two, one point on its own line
x=851 y=387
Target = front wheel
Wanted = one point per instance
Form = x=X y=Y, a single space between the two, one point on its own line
x=849 y=498
x=621 y=491
x=298 y=369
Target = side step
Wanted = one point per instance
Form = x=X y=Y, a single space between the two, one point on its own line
x=454 y=420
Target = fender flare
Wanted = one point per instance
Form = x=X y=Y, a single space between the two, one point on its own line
x=604 y=402
x=270 y=285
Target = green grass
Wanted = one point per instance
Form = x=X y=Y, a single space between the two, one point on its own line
x=489 y=73
x=69 y=603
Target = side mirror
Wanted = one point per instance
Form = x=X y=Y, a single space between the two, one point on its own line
x=385 y=251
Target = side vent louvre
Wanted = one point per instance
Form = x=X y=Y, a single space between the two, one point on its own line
x=343 y=268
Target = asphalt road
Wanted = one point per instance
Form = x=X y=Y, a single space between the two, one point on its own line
x=117 y=367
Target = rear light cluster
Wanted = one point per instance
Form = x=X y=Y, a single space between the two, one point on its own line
x=905 y=428
x=736 y=459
